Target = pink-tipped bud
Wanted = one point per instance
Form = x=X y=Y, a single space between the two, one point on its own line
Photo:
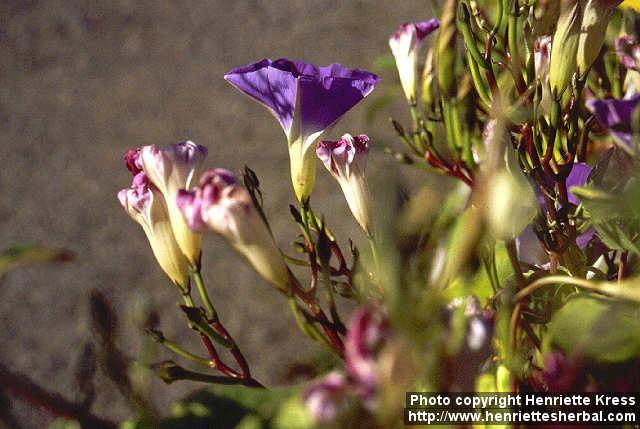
x=406 y=45
x=346 y=160
x=144 y=203
x=171 y=169
x=223 y=206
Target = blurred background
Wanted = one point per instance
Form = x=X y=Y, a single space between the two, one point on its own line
x=83 y=81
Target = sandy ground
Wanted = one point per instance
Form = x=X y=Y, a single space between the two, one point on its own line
x=81 y=82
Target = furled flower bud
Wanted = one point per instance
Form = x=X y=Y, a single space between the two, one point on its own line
x=346 y=161
x=542 y=56
x=406 y=44
x=428 y=77
x=222 y=205
x=628 y=50
x=146 y=205
x=595 y=19
x=170 y=169
x=565 y=46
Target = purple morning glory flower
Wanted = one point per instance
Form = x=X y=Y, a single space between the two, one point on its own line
x=324 y=93
x=616 y=115
x=306 y=100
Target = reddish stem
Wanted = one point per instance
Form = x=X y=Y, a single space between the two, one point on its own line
x=216 y=362
x=235 y=351
x=623 y=263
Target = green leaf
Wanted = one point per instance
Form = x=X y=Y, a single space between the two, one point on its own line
x=597 y=329
x=28 y=254
x=615 y=216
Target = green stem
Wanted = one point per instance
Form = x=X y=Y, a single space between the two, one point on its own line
x=619 y=290
x=197 y=277
x=170 y=345
x=464 y=21
x=481 y=87
x=188 y=301
x=499 y=16
x=447 y=116
x=512 y=40
x=179 y=373
x=308 y=329
x=376 y=258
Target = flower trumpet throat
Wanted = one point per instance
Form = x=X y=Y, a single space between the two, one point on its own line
x=220 y=204
x=144 y=203
x=302 y=162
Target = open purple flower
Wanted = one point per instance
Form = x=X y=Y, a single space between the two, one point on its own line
x=616 y=115
x=222 y=205
x=346 y=159
x=306 y=100
x=405 y=45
